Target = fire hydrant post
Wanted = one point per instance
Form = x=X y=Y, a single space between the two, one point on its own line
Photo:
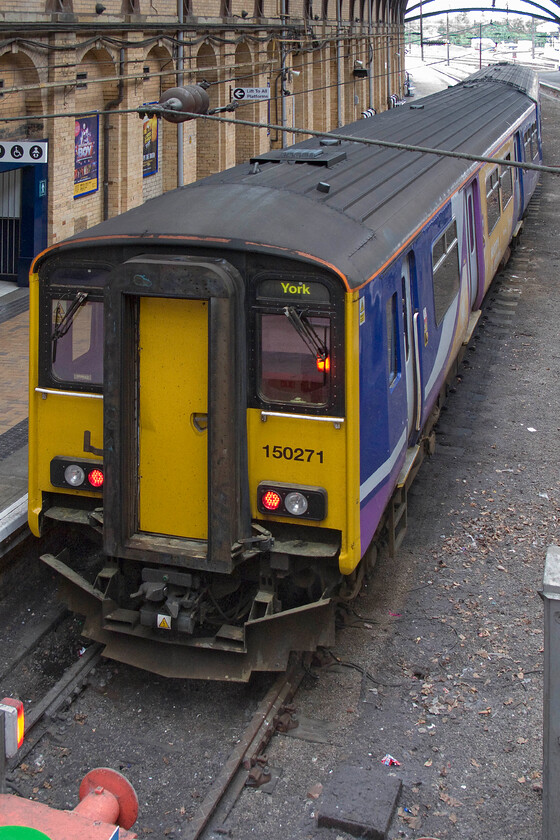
x=551 y=699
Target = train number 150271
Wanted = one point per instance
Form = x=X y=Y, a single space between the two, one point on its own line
x=290 y=454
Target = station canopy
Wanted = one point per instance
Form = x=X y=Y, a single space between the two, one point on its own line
x=541 y=10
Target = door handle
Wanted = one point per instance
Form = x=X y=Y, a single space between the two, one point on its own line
x=199 y=421
x=88 y=446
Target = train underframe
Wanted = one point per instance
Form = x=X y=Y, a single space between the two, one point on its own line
x=182 y=622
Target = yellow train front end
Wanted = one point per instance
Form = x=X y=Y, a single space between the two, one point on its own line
x=202 y=426
x=65 y=401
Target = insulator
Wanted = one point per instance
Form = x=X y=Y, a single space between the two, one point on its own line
x=192 y=98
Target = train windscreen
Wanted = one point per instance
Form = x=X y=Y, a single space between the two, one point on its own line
x=295 y=358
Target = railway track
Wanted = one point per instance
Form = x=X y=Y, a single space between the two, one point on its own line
x=247 y=764
x=38 y=717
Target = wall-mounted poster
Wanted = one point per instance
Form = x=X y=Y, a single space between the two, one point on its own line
x=86 y=155
x=150 y=136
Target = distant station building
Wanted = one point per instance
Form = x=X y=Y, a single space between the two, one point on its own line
x=71 y=71
x=483 y=44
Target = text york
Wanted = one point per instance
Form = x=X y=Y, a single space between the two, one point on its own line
x=290 y=289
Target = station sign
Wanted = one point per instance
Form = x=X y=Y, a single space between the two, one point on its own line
x=23 y=151
x=251 y=94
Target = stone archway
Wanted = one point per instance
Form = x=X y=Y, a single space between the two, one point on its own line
x=21 y=96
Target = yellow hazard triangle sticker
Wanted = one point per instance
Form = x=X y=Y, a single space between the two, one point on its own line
x=164 y=622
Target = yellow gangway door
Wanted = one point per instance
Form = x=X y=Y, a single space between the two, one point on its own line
x=173 y=436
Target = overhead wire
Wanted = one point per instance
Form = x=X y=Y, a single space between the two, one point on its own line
x=84 y=65
x=389 y=144
x=192 y=71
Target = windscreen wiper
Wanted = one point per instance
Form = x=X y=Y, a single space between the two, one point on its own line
x=62 y=327
x=307 y=333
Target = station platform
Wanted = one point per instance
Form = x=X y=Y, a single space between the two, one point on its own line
x=14 y=359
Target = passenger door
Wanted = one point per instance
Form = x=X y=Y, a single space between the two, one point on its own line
x=175 y=429
x=472 y=253
x=173 y=418
x=411 y=346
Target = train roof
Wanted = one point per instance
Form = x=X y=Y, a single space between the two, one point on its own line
x=350 y=205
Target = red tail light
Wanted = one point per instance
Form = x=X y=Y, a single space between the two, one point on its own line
x=95 y=478
x=271 y=500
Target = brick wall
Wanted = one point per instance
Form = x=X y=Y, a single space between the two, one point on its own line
x=39 y=81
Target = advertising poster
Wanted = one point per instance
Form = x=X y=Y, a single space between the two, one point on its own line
x=86 y=154
x=150 y=156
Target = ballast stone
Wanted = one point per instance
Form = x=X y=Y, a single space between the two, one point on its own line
x=360 y=800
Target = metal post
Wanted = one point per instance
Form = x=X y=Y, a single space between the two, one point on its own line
x=2 y=752
x=180 y=83
x=551 y=699
x=283 y=77
x=389 y=70
x=421 y=33
x=447 y=26
x=370 y=54
x=480 y=46
x=339 y=116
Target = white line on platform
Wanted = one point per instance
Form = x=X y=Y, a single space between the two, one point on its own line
x=12 y=518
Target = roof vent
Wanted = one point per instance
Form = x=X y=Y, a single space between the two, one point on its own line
x=325 y=156
x=301 y=154
x=322 y=186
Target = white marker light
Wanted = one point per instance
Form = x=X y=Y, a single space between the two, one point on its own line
x=296 y=504
x=74 y=475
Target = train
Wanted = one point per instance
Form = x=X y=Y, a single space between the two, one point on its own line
x=233 y=385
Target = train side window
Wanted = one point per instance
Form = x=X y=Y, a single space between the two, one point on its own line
x=527 y=144
x=77 y=340
x=405 y=319
x=472 y=240
x=445 y=263
x=492 y=199
x=531 y=141
x=295 y=359
x=506 y=183
x=392 y=334
x=534 y=141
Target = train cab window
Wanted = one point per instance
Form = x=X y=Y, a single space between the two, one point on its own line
x=506 y=183
x=77 y=340
x=71 y=327
x=295 y=358
x=492 y=199
x=445 y=264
